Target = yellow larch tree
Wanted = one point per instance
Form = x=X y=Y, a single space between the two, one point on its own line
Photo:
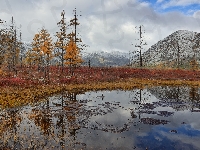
x=72 y=55
x=36 y=44
x=46 y=48
x=6 y=48
x=9 y=49
x=30 y=55
x=41 y=53
x=4 y=39
x=14 y=46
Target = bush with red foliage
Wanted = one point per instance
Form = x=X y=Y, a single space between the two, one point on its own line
x=12 y=82
x=31 y=76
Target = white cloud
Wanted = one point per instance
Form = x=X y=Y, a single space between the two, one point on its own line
x=180 y=3
x=159 y=1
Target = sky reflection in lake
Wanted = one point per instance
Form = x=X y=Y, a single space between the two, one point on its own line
x=155 y=118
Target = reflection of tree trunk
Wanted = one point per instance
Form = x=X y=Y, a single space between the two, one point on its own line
x=193 y=95
x=62 y=99
x=178 y=92
x=71 y=117
x=47 y=119
x=62 y=121
x=13 y=117
x=61 y=125
x=140 y=94
x=62 y=59
x=13 y=123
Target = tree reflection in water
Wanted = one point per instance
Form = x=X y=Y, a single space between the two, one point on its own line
x=9 y=124
x=104 y=119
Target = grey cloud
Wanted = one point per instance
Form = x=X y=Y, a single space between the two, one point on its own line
x=196 y=14
x=104 y=24
x=6 y=7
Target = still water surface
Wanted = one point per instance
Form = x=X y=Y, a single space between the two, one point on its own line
x=155 y=118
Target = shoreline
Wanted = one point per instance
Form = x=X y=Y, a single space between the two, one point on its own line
x=19 y=96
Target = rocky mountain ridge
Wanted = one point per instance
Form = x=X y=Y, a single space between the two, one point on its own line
x=176 y=50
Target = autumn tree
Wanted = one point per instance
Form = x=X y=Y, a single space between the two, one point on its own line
x=9 y=47
x=74 y=23
x=72 y=55
x=4 y=39
x=2 y=32
x=41 y=52
x=75 y=45
x=46 y=48
x=36 y=45
x=62 y=39
x=22 y=53
x=14 y=45
x=30 y=57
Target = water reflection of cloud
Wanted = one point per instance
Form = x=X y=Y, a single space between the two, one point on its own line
x=184 y=136
x=143 y=131
x=115 y=118
x=184 y=117
x=106 y=140
x=161 y=137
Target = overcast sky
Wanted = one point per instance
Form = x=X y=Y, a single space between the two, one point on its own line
x=106 y=25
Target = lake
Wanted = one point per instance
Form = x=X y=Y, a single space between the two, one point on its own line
x=154 y=118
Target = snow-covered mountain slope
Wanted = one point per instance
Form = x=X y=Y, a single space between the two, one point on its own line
x=106 y=59
x=179 y=48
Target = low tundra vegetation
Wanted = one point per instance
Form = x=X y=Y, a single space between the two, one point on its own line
x=18 y=91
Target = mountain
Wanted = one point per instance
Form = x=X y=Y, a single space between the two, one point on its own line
x=102 y=58
x=176 y=50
